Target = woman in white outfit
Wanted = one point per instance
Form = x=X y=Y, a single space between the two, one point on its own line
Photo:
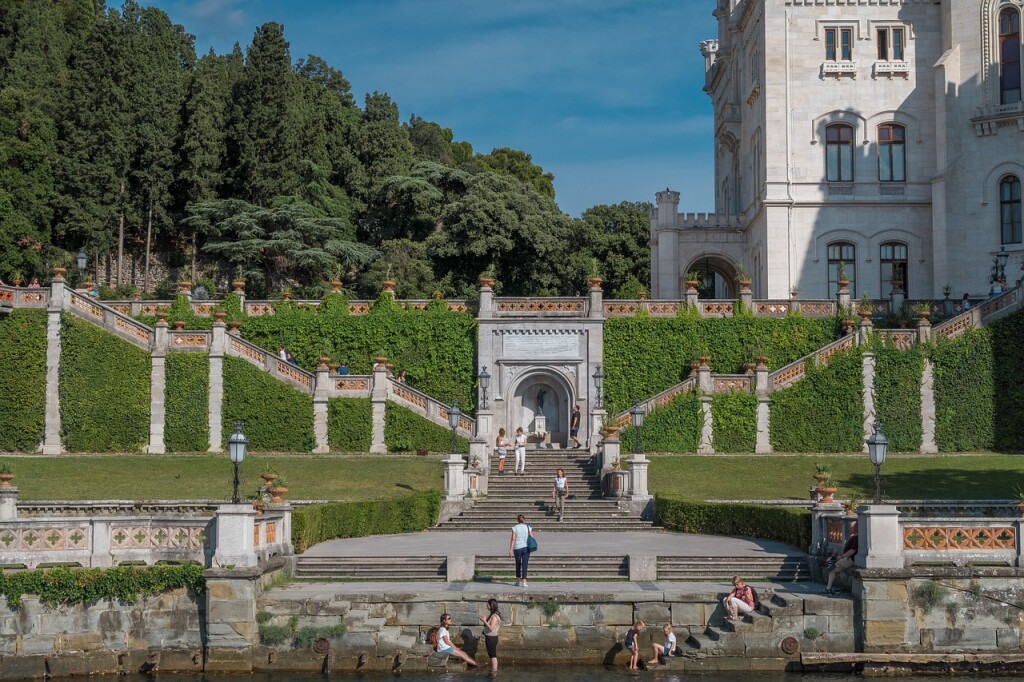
x=520 y=451
x=560 y=491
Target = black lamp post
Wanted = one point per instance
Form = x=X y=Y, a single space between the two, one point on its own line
x=877 y=445
x=637 y=413
x=81 y=260
x=236 y=450
x=484 y=378
x=453 y=421
x=598 y=383
x=1001 y=259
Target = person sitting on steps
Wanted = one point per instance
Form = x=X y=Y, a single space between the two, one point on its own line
x=844 y=561
x=667 y=649
x=444 y=642
x=739 y=600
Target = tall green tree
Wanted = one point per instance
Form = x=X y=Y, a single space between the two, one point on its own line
x=616 y=236
x=382 y=144
x=520 y=165
x=430 y=141
x=267 y=119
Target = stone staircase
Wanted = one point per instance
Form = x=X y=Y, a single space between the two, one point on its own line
x=774 y=568
x=384 y=569
x=510 y=494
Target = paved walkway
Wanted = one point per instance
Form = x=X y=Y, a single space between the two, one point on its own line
x=650 y=543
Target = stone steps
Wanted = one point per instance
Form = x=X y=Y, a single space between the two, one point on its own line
x=373 y=568
x=782 y=569
x=549 y=567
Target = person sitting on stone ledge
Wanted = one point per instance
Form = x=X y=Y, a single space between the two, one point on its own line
x=844 y=561
x=741 y=599
x=444 y=642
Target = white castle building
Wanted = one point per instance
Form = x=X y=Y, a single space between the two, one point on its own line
x=880 y=134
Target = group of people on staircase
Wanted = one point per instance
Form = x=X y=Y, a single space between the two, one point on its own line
x=502 y=443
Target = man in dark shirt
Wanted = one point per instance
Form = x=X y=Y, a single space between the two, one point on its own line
x=844 y=562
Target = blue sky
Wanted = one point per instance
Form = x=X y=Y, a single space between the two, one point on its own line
x=605 y=94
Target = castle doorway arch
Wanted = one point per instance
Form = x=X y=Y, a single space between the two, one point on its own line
x=540 y=401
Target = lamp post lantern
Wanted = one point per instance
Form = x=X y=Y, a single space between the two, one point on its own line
x=453 y=421
x=81 y=260
x=1001 y=258
x=484 y=377
x=637 y=414
x=877 y=445
x=598 y=384
x=236 y=450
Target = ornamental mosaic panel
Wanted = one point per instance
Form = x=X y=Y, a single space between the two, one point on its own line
x=271 y=532
x=410 y=396
x=995 y=305
x=203 y=309
x=788 y=375
x=294 y=373
x=6 y=295
x=358 y=308
x=540 y=306
x=903 y=340
x=44 y=539
x=618 y=309
x=189 y=340
x=662 y=309
x=150 y=309
x=248 y=352
x=86 y=306
x=132 y=329
x=845 y=344
x=960 y=537
x=955 y=327
x=458 y=307
x=772 y=309
x=33 y=297
x=122 y=308
x=156 y=537
x=722 y=308
x=259 y=309
x=730 y=384
x=834 y=534
x=817 y=309
x=351 y=384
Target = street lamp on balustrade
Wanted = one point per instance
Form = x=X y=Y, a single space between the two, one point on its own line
x=598 y=384
x=237 y=444
x=454 y=415
x=637 y=414
x=81 y=260
x=877 y=445
x=484 y=378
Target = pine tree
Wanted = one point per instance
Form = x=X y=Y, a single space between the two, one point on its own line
x=382 y=144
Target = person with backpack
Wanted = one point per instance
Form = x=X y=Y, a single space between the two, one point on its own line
x=740 y=600
x=444 y=642
x=519 y=548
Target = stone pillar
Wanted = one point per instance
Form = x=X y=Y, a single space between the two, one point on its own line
x=478 y=449
x=595 y=300
x=843 y=299
x=379 y=398
x=135 y=306
x=320 y=393
x=597 y=419
x=101 y=545
x=667 y=237
x=864 y=330
x=747 y=299
x=692 y=299
x=486 y=304
x=868 y=392
x=704 y=377
x=924 y=330
x=218 y=347
x=8 y=504
x=638 y=477
x=897 y=300
x=231 y=631
x=51 y=429
x=763 y=445
x=880 y=543
x=157 y=388
x=234 y=535
x=707 y=437
x=454 y=477
x=928 y=444
x=611 y=448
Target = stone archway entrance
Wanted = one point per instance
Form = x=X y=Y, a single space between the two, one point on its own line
x=718 y=277
x=540 y=403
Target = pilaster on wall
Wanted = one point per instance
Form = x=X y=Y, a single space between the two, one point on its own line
x=928 y=444
x=51 y=429
x=868 y=372
x=157 y=386
x=218 y=346
x=707 y=429
x=379 y=399
x=320 y=390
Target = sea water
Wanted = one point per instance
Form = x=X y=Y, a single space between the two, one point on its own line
x=543 y=674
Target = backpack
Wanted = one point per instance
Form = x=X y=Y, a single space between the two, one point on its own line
x=432 y=638
x=753 y=595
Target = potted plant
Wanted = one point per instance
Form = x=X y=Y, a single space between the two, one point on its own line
x=866 y=307
x=693 y=368
x=793 y=291
x=923 y=310
x=474 y=461
x=1020 y=501
x=841 y=279
x=269 y=475
x=286 y=294
x=594 y=279
x=762 y=361
x=17 y=277
x=748 y=367
x=851 y=504
x=821 y=470
x=827 y=488
x=692 y=280
x=487 y=278
x=947 y=290
x=6 y=475
x=276 y=489
x=742 y=277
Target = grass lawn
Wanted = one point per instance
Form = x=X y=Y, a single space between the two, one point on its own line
x=789 y=477
x=204 y=477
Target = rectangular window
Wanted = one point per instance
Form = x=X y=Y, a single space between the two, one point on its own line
x=891 y=44
x=846 y=43
x=883 y=44
x=897 y=44
x=842 y=253
x=830 y=44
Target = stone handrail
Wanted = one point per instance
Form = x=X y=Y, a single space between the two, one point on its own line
x=258 y=308
x=789 y=374
x=290 y=374
x=350 y=385
x=111 y=320
x=541 y=307
x=22 y=297
x=427 y=407
x=657 y=400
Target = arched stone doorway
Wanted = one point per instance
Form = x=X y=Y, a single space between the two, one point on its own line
x=718 y=277
x=541 y=401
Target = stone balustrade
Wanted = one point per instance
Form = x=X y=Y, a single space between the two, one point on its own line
x=104 y=534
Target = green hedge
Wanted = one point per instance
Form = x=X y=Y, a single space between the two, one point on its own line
x=734 y=418
x=898 y=395
x=275 y=416
x=965 y=391
x=644 y=355
x=406 y=431
x=1008 y=359
x=824 y=411
x=104 y=390
x=672 y=428
x=67 y=586
x=22 y=379
x=187 y=399
x=436 y=347
x=350 y=424
x=781 y=524
x=316 y=524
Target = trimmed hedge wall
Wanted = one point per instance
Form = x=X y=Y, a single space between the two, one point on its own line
x=672 y=428
x=22 y=379
x=415 y=512
x=436 y=347
x=187 y=399
x=275 y=416
x=645 y=355
x=64 y=586
x=734 y=418
x=898 y=395
x=104 y=390
x=1008 y=360
x=406 y=431
x=824 y=411
x=965 y=391
x=350 y=424
x=781 y=524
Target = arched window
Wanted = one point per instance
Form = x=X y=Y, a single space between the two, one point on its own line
x=892 y=266
x=1010 y=210
x=892 y=153
x=1009 y=55
x=839 y=153
x=844 y=254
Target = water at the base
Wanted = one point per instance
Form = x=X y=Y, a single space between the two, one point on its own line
x=544 y=674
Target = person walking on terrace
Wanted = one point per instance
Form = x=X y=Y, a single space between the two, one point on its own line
x=520 y=451
x=492 y=622
x=740 y=600
x=444 y=642
x=560 y=491
x=518 y=547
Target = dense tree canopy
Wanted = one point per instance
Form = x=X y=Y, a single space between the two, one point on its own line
x=115 y=138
